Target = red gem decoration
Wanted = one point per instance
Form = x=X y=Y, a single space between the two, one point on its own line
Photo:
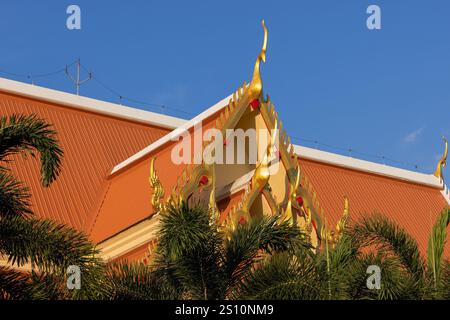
x=254 y=104
x=225 y=142
x=278 y=154
x=299 y=201
x=203 y=180
x=242 y=220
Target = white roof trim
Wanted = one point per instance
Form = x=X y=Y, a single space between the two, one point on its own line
x=446 y=194
x=236 y=186
x=173 y=135
x=129 y=239
x=303 y=152
x=89 y=104
x=367 y=166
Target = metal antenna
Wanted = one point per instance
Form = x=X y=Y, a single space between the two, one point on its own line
x=77 y=81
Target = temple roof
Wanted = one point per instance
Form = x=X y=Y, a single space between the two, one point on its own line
x=94 y=135
x=103 y=187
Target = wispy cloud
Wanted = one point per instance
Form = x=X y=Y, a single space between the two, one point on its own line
x=413 y=136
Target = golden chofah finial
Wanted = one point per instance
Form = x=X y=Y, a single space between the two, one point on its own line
x=262 y=171
x=158 y=190
x=442 y=162
x=256 y=84
x=342 y=222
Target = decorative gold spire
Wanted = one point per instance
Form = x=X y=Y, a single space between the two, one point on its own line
x=155 y=184
x=262 y=172
x=333 y=236
x=256 y=83
x=340 y=226
x=214 y=213
x=260 y=177
x=293 y=188
x=442 y=162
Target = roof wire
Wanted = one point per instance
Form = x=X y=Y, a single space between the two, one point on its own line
x=163 y=108
x=351 y=151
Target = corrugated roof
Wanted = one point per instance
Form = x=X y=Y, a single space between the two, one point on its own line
x=414 y=207
x=93 y=144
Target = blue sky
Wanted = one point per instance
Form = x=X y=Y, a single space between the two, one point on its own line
x=379 y=92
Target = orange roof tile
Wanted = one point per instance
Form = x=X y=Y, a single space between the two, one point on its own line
x=127 y=200
x=414 y=207
x=93 y=144
x=86 y=196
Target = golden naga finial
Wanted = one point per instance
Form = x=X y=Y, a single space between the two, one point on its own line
x=214 y=213
x=155 y=184
x=262 y=172
x=442 y=162
x=293 y=188
x=256 y=83
x=333 y=236
x=260 y=176
x=343 y=220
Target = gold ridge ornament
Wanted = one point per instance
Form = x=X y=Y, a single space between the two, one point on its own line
x=442 y=162
x=158 y=191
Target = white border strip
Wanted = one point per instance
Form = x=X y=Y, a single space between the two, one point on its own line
x=89 y=104
x=446 y=194
x=236 y=186
x=173 y=135
x=127 y=240
x=367 y=166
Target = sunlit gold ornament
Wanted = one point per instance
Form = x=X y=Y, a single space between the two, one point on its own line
x=442 y=162
x=158 y=190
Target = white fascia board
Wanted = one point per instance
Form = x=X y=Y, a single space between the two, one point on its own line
x=367 y=166
x=129 y=239
x=89 y=104
x=446 y=194
x=174 y=135
x=236 y=186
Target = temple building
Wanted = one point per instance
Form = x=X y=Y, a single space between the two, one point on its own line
x=118 y=172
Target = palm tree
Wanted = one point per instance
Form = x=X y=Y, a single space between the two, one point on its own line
x=196 y=259
x=425 y=278
x=340 y=273
x=45 y=245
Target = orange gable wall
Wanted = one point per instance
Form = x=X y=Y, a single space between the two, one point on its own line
x=414 y=207
x=127 y=199
x=93 y=144
x=85 y=197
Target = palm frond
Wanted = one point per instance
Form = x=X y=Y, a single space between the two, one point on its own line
x=184 y=228
x=43 y=243
x=20 y=133
x=395 y=283
x=14 y=198
x=283 y=276
x=189 y=249
x=15 y=285
x=376 y=230
x=247 y=243
x=140 y=282
x=436 y=245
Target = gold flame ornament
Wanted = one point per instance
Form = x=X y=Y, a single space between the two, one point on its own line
x=442 y=162
x=158 y=190
x=333 y=236
x=342 y=221
x=256 y=83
